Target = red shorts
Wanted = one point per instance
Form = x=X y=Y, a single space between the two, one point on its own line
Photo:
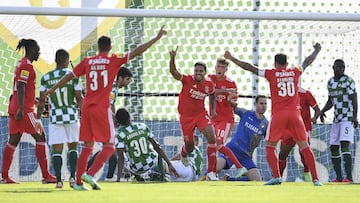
x=96 y=124
x=286 y=123
x=24 y=125
x=222 y=131
x=188 y=125
x=288 y=140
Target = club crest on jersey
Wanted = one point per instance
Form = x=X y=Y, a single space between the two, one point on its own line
x=24 y=74
x=207 y=89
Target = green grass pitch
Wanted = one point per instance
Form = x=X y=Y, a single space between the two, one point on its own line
x=29 y=192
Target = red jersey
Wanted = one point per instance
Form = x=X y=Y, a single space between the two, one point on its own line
x=100 y=71
x=224 y=110
x=193 y=94
x=283 y=88
x=307 y=100
x=24 y=72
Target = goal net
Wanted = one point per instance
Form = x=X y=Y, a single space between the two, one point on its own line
x=152 y=96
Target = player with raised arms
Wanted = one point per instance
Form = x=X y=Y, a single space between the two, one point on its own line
x=96 y=123
x=191 y=107
x=286 y=117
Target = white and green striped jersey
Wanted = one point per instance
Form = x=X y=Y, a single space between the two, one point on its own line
x=63 y=107
x=195 y=160
x=339 y=92
x=135 y=139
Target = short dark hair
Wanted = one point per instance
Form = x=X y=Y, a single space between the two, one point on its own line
x=200 y=63
x=104 y=43
x=281 y=59
x=123 y=117
x=61 y=56
x=258 y=97
x=124 y=72
x=339 y=61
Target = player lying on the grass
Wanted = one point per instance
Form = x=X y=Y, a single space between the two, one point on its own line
x=135 y=139
x=186 y=172
x=250 y=131
x=307 y=100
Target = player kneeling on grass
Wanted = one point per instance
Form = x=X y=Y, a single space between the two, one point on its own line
x=186 y=172
x=134 y=139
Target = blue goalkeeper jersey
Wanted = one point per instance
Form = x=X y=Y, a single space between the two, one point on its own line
x=249 y=133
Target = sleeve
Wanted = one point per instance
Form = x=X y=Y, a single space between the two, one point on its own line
x=298 y=68
x=77 y=86
x=26 y=73
x=262 y=72
x=351 y=87
x=113 y=94
x=42 y=84
x=119 y=142
x=184 y=78
x=122 y=58
x=239 y=111
x=311 y=99
x=79 y=70
x=149 y=132
x=266 y=122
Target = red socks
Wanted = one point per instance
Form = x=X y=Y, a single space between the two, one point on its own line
x=310 y=161
x=101 y=158
x=230 y=155
x=211 y=154
x=7 y=159
x=82 y=163
x=40 y=152
x=272 y=160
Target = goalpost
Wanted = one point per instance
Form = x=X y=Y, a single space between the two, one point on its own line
x=203 y=31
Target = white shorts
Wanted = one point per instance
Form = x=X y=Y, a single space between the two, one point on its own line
x=63 y=133
x=186 y=173
x=342 y=131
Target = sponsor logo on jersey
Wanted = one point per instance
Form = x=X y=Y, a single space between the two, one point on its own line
x=197 y=95
x=285 y=74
